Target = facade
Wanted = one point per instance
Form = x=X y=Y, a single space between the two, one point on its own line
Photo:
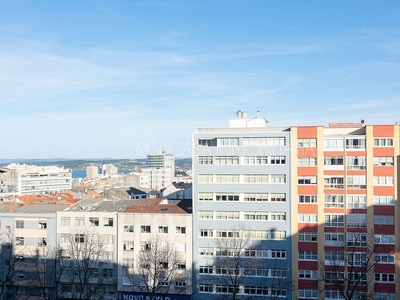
x=178 y=190
x=28 y=179
x=160 y=170
x=27 y=238
x=92 y=172
x=241 y=202
x=148 y=225
x=345 y=210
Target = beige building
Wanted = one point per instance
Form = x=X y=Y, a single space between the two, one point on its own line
x=161 y=220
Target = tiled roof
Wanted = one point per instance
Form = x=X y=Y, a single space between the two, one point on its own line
x=157 y=205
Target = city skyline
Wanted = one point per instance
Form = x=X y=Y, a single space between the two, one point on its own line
x=126 y=79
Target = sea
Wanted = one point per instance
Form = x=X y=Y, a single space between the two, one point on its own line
x=82 y=173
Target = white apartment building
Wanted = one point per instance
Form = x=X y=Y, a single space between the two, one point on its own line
x=143 y=222
x=90 y=227
x=29 y=179
x=160 y=170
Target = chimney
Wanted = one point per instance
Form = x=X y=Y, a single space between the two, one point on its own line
x=10 y=207
x=258 y=113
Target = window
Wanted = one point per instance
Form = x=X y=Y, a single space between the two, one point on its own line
x=357 y=259
x=227 y=160
x=42 y=225
x=127 y=263
x=333 y=161
x=384 y=200
x=227 y=215
x=64 y=238
x=277 y=160
x=334 y=182
x=145 y=229
x=19 y=224
x=108 y=239
x=79 y=238
x=384 y=258
x=66 y=288
x=384 y=239
x=384 y=219
x=356 y=163
x=383 y=180
x=128 y=228
x=383 y=277
x=108 y=222
x=108 y=273
x=383 y=161
x=19 y=241
x=206 y=251
x=93 y=221
x=205 y=269
x=128 y=246
x=207 y=142
x=256 y=178
x=308 y=255
x=206 y=288
x=307 y=198
x=308 y=274
x=307 y=218
x=307 y=143
x=180 y=230
x=308 y=236
x=205 y=196
x=307 y=161
x=278 y=234
x=334 y=239
x=308 y=293
x=42 y=241
x=281 y=254
x=226 y=178
x=163 y=229
x=334 y=201
x=228 y=141
x=227 y=233
x=356 y=239
x=356 y=220
x=307 y=180
x=383 y=142
x=255 y=160
x=79 y=221
x=224 y=289
x=356 y=182
x=277 y=197
x=334 y=220
x=355 y=143
x=255 y=197
x=205 y=178
x=384 y=296
x=205 y=233
x=65 y=221
x=253 y=215
x=277 y=178
x=335 y=143
x=181 y=265
x=226 y=197
x=356 y=201
x=145 y=246
x=205 y=160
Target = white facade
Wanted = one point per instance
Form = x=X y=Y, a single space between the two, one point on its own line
x=26 y=179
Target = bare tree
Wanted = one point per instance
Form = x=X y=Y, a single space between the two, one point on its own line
x=349 y=271
x=78 y=262
x=245 y=269
x=159 y=268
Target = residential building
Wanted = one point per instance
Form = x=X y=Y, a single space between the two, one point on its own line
x=29 y=179
x=345 y=213
x=178 y=190
x=160 y=169
x=242 y=210
x=92 y=172
x=148 y=225
x=88 y=237
x=27 y=240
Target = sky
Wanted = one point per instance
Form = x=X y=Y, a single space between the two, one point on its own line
x=122 y=79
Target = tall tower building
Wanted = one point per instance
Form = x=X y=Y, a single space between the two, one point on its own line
x=241 y=210
x=345 y=211
x=160 y=169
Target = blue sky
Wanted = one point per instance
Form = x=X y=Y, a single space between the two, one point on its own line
x=125 y=78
